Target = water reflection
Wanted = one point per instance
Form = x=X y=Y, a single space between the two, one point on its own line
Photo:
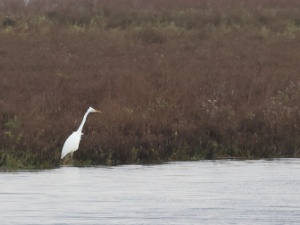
x=203 y=192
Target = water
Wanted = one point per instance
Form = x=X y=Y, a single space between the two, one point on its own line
x=203 y=192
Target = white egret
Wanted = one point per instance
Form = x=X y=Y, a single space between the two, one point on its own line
x=72 y=143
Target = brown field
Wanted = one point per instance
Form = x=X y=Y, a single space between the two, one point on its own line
x=175 y=80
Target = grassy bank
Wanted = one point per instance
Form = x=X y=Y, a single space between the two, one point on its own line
x=176 y=80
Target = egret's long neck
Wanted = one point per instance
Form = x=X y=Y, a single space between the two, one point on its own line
x=82 y=122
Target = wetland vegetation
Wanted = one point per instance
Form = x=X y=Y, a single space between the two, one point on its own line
x=175 y=80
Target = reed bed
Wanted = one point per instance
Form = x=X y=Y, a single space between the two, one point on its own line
x=176 y=80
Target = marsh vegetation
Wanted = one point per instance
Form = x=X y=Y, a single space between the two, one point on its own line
x=176 y=80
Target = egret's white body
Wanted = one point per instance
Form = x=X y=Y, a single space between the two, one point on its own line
x=72 y=143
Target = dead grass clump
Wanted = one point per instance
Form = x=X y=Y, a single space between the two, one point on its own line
x=151 y=35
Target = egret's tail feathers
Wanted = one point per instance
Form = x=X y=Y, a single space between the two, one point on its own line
x=62 y=155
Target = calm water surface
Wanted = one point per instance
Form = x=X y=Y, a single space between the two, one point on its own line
x=203 y=192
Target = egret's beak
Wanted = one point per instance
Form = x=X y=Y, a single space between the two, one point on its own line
x=98 y=111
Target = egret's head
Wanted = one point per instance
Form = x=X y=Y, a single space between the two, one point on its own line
x=94 y=110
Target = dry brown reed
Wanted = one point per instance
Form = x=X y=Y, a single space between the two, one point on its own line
x=176 y=80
